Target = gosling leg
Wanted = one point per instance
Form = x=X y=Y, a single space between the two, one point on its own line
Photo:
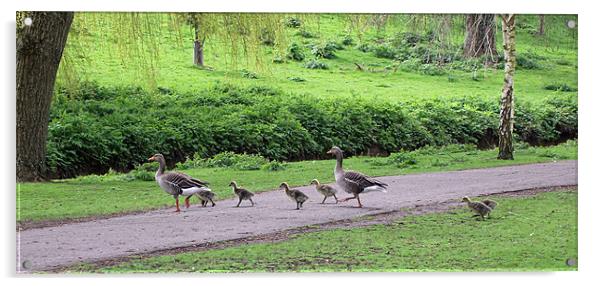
x=335 y=199
x=252 y=203
x=239 y=200
x=297 y=205
x=324 y=199
x=212 y=203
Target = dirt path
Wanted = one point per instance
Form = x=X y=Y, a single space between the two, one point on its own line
x=51 y=247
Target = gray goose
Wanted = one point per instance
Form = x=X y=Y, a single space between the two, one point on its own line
x=325 y=190
x=353 y=182
x=479 y=208
x=177 y=184
x=243 y=194
x=295 y=195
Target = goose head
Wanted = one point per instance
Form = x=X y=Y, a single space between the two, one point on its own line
x=314 y=182
x=157 y=157
x=283 y=186
x=335 y=151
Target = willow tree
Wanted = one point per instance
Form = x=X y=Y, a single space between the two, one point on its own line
x=507 y=101
x=479 y=39
x=40 y=43
x=131 y=37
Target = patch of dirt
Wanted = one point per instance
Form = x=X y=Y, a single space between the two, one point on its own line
x=364 y=221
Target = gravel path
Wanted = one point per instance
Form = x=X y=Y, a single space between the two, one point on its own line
x=50 y=247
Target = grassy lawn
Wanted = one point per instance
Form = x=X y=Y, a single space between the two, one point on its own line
x=518 y=237
x=175 y=71
x=111 y=193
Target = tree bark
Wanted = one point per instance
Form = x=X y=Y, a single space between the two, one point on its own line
x=506 y=126
x=39 y=51
x=480 y=36
x=542 y=22
x=199 y=45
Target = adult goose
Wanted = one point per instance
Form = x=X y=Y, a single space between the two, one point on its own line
x=353 y=182
x=177 y=184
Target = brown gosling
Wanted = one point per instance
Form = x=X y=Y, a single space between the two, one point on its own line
x=206 y=196
x=490 y=203
x=479 y=208
x=325 y=190
x=242 y=194
x=295 y=195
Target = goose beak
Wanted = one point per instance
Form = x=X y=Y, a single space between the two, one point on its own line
x=329 y=152
x=151 y=158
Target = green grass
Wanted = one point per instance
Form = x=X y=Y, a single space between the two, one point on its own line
x=110 y=194
x=175 y=70
x=524 y=234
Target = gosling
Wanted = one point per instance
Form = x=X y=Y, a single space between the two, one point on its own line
x=479 y=208
x=490 y=203
x=242 y=194
x=325 y=190
x=205 y=197
x=295 y=195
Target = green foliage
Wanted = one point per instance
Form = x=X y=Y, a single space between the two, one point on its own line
x=364 y=47
x=306 y=34
x=325 y=51
x=528 y=61
x=347 y=40
x=296 y=79
x=560 y=87
x=315 y=64
x=293 y=22
x=274 y=166
x=237 y=161
x=248 y=74
x=87 y=135
x=295 y=52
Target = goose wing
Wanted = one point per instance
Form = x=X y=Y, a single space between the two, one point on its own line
x=361 y=180
x=182 y=181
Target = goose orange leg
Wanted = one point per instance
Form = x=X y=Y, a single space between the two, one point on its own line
x=177 y=205
x=187 y=201
x=358 y=201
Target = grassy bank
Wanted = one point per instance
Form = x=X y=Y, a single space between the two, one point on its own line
x=115 y=193
x=518 y=237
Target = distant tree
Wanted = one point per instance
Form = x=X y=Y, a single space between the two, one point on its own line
x=507 y=100
x=202 y=26
x=39 y=50
x=479 y=39
x=542 y=22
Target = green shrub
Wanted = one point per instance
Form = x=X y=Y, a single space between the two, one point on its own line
x=560 y=87
x=364 y=47
x=296 y=79
x=314 y=64
x=306 y=34
x=119 y=128
x=384 y=51
x=274 y=166
x=295 y=52
x=402 y=159
x=347 y=40
x=325 y=51
x=293 y=22
x=248 y=74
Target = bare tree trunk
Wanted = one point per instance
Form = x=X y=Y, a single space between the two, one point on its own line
x=507 y=101
x=199 y=45
x=39 y=51
x=480 y=36
x=542 y=22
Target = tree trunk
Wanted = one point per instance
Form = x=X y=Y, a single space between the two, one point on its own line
x=199 y=59
x=542 y=22
x=199 y=45
x=480 y=36
x=507 y=101
x=39 y=51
